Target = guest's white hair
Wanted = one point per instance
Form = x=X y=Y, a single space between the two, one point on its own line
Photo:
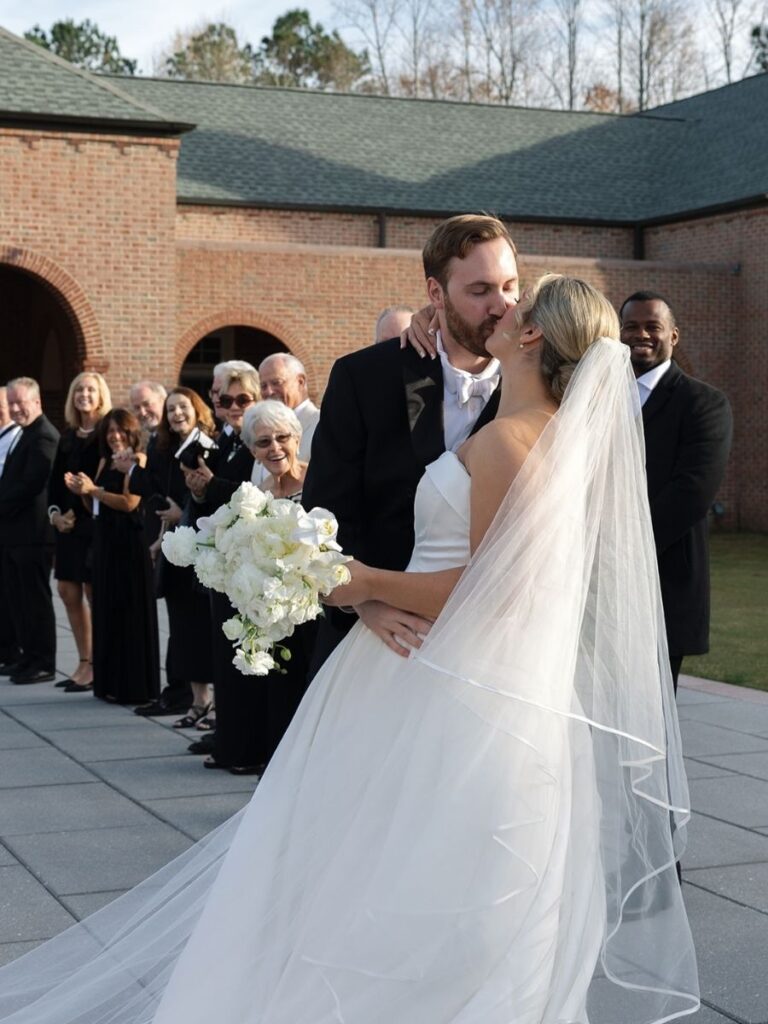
x=270 y=414
x=233 y=366
x=291 y=363
x=150 y=385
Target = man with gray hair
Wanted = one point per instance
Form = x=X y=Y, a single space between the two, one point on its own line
x=391 y=322
x=25 y=535
x=284 y=379
x=147 y=400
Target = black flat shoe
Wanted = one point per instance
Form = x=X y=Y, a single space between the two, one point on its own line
x=204 y=745
x=40 y=675
x=78 y=687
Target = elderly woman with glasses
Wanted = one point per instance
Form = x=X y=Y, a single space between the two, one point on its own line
x=272 y=433
x=237 y=744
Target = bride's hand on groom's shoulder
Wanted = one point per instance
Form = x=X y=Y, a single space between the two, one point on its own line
x=401 y=631
x=421 y=335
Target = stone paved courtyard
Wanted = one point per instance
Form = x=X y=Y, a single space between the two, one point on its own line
x=93 y=799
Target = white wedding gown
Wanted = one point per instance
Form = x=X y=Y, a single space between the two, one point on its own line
x=451 y=839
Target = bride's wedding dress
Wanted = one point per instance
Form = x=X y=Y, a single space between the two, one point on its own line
x=478 y=835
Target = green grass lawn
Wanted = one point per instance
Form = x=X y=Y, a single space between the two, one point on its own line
x=739 y=634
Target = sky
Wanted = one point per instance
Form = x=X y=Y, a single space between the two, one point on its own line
x=143 y=27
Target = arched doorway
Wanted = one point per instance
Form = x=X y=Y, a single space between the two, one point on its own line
x=230 y=342
x=38 y=338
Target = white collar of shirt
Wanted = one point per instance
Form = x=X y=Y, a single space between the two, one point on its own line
x=648 y=381
x=464 y=397
x=301 y=406
x=195 y=434
x=227 y=429
x=454 y=378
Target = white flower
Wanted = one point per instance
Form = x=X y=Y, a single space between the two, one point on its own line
x=235 y=630
x=223 y=516
x=248 y=501
x=210 y=569
x=180 y=545
x=259 y=663
x=317 y=527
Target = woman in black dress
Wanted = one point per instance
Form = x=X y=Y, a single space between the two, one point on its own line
x=184 y=432
x=272 y=432
x=87 y=402
x=126 y=657
x=240 y=707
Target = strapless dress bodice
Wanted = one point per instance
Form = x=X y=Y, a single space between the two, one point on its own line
x=441 y=516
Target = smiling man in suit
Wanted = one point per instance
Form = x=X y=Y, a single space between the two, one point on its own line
x=688 y=427
x=25 y=535
x=387 y=413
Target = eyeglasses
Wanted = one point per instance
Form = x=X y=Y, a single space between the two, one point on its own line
x=265 y=442
x=241 y=401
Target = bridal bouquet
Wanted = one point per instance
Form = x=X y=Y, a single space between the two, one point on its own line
x=272 y=559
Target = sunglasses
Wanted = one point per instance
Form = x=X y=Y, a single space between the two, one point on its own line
x=265 y=442
x=241 y=401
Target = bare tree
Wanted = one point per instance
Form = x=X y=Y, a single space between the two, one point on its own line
x=731 y=18
x=375 y=20
x=508 y=30
x=412 y=23
x=568 y=23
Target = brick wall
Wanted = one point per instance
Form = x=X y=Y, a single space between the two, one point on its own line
x=742 y=365
x=235 y=224
x=93 y=217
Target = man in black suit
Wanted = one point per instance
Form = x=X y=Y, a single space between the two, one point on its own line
x=387 y=413
x=25 y=535
x=688 y=427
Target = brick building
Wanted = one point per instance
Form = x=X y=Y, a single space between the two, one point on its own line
x=149 y=228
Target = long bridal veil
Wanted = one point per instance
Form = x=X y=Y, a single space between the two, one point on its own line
x=508 y=859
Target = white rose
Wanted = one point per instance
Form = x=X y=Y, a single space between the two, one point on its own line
x=180 y=545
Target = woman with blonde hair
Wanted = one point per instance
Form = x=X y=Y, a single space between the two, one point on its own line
x=88 y=400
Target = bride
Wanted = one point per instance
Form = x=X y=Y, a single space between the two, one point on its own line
x=485 y=833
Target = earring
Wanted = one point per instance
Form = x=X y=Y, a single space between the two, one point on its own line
x=522 y=345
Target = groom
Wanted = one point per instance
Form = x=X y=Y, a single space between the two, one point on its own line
x=387 y=413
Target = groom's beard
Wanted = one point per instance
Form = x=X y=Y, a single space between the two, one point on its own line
x=469 y=336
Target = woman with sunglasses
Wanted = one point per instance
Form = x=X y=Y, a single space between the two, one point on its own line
x=237 y=745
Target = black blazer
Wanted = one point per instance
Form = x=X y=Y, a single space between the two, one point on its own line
x=24 y=486
x=381 y=423
x=688 y=428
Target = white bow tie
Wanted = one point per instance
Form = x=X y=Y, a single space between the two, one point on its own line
x=471 y=387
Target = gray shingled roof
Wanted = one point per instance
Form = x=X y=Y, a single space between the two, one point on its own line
x=287 y=147
x=37 y=85
x=722 y=153
x=294 y=148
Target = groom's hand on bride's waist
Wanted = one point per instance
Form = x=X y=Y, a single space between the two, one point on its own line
x=401 y=631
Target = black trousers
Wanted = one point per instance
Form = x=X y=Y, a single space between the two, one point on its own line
x=9 y=648
x=26 y=574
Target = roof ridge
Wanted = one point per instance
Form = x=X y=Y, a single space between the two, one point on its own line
x=709 y=92
x=89 y=76
x=256 y=86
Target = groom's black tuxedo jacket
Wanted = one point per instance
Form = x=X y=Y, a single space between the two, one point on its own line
x=688 y=427
x=381 y=423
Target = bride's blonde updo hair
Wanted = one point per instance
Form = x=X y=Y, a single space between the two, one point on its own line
x=571 y=315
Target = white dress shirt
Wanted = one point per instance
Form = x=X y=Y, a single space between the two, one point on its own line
x=8 y=437
x=308 y=415
x=464 y=397
x=648 y=381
